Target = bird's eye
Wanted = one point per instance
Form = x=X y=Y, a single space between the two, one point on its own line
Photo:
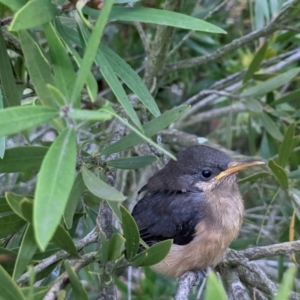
x=206 y=174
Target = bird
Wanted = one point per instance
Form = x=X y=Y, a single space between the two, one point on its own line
x=194 y=200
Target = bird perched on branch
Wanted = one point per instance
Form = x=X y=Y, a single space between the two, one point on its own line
x=195 y=201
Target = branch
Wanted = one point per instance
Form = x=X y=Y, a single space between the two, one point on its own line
x=185 y=285
x=159 y=49
x=63 y=279
x=274 y=25
x=90 y=238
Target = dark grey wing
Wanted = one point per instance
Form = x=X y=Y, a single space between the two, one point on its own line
x=162 y=216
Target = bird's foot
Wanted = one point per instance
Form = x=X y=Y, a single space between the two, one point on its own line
x=200 y=275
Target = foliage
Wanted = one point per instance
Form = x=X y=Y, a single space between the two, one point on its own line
x=78 y=127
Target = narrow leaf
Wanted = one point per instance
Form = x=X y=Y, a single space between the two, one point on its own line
x=81 y=114
x=157 y=16
x=131 y=79
x=115 y=247
x=149 y=128
x=271 y=127
x=7 y=79
x=214 y=290
x=75 y=195
x=91 y=49
x=286 y=285
x=26 y=252
x=117 y=88
x=54 y=186
x=9 y=290
x=154 y=254
x=14 y=5
x=129 y=163
x=79 y=292
x=38 y=68
x=271 y=84
x=293 y=95
x=286 y=147
x=2 y=138
x=34 y=13
x=24 y=117
x=131 y=233
x=100 y=188
x=64 y=74
x=22 y=159
x=63 y=239
x=15 y=202
x=255 y=63
x=10 y=223
x=279 y=174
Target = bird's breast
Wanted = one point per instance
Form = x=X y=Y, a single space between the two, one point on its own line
x=213 y=234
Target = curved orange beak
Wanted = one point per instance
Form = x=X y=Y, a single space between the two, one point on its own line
x=236 y=166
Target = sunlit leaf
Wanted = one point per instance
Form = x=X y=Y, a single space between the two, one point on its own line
x=81 y=114
x=100 y=188
x=24 y=117
x=32 y=14
x=214 y=289
x=271 y=127
x=54 y=185
x=157 y=16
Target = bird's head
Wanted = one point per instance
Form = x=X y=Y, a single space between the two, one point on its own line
x=198 y=167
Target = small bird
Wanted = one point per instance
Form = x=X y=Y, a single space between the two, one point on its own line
x=195 y=201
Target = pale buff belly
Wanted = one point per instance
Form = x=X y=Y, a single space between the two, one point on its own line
x=206 y=249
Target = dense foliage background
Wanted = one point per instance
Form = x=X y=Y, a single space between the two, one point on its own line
x=96 y=98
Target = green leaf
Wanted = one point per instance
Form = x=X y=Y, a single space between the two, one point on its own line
x=286 y=147
x=39 y=292
x=14 y=5
x=9 y=290
x=154 y=254
x=8 y=260
x=271 y=127
x=214 y=289
x=91 y=50
x=79 y=292
x=131 y=233
x=58 y=96
x=63 y=239
x=115 y=246
x=117 y=88
x=7 y=79
x=4 y=206
x=64 y=74
x=294 y=95
x=253 y=105
x=149 y=128
x=100 y=188
x=38 y=68
x=24 y=117
x=270 y=84
x=157 y=16
x=14 y=202
x=67 y=36
x=255 y=63
x=10 y=223
x=75 y=195
x=2 y=138
x=115 y=207
x=32 y=14
x=131 y=79
x=254 y=177
x=26 y=251
x=81 y=114
x=135 y=162
x=22 y=159
x=287 y=284
x=279 y=174
x=54 y=185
